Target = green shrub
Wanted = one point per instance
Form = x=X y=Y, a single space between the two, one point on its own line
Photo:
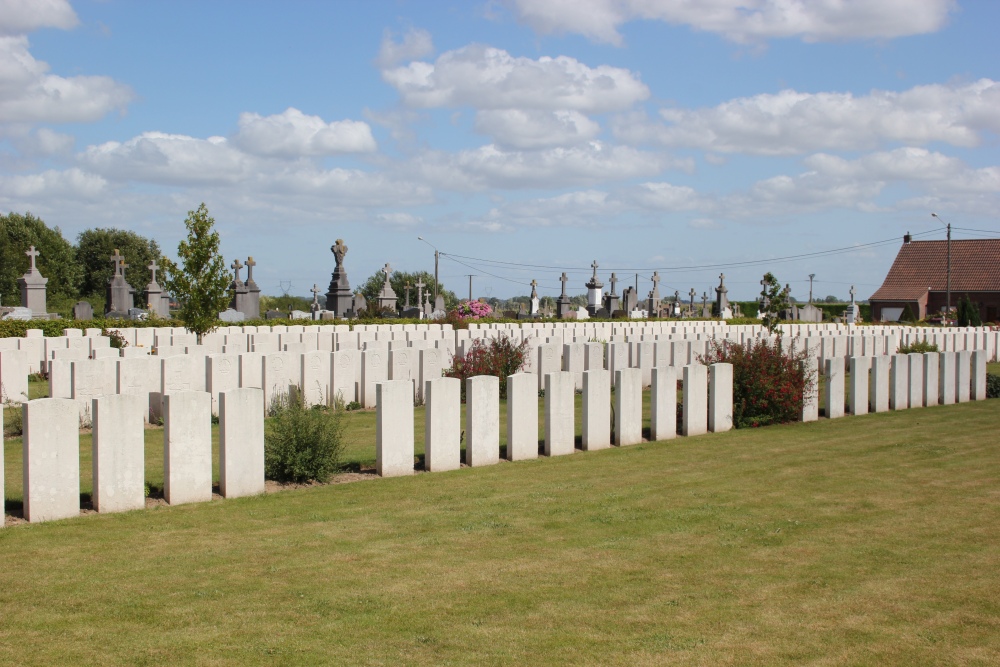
x=920 y=346
x=992 y=385
x=499 y=357
x=769 y=381
x=302 y=443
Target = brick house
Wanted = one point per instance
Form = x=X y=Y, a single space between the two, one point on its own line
x=918 y=279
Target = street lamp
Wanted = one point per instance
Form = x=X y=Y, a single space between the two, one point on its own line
x=947 y=307
x=436 y=255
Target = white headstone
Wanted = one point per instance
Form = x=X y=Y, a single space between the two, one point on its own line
x=628 y=404
x=695 y=398
x=522 y=417
x=663 y=404
x=720 y=397
x=241 y=442
x=482 y=428
x=443 y=424
x=560 y=436
x=596 y=409
x=394 y=428
x=51 y=459
x=119 y=456
x=187 y=446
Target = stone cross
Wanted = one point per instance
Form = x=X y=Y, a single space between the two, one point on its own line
x=692 y=294
x=534 y=284
x=722 y=279
x=704 y=300
x=32 y=254
x=250 y=264
x=315 y=290
x=406 y=286
x=420 y=290
x=851 y=292
x=564 y=279
x=387 y=270
x=152 y=267
x=119 y=262
x=594 y=266
x=237 y=265
x=614 y=281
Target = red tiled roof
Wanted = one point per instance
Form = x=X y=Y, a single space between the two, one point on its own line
x=975 y=267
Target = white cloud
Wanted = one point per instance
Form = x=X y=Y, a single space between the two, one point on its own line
x=492 y=167
x=294 y=134
x=532 y=129
x=44 y=142
x=665 y=197
x=416 y=44
x=29 y=94
x=21 y=16
x=791 y=122
x=156 y=157
x=70 y=184
x=483 y=77
x=742 y=21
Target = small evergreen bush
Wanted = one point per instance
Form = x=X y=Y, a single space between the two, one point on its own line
x=499 y=357
x=920 y=346
x=769 y=381
x=992 y=385
x=302 y=443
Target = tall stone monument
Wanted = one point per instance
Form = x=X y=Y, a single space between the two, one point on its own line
x=339 y=298
x=32 y=286
x=157 y=302
x=653 y=301
x=119 y=296
x=237 y=287
x=562 y=303
x=722 y=300
x=630 y=300
x=250 y=306
x=534 y=297
x=853 y=313
x=387 y=297
x=594 y=291
x=611 y=301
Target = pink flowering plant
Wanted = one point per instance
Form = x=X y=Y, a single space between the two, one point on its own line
x=473 y=310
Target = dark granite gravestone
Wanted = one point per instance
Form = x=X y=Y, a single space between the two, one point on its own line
x=83 y=311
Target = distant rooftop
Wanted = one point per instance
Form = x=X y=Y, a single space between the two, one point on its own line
x=975 y=267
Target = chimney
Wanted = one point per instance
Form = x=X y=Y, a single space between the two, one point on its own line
x=907 y=238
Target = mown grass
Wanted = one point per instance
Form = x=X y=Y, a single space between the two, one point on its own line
x=863 y=540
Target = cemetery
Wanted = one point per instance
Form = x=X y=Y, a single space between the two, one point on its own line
x=626 y=422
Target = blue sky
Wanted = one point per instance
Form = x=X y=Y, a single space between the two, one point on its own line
x=522 y=138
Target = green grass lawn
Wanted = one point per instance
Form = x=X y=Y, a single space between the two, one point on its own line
x=864 y=540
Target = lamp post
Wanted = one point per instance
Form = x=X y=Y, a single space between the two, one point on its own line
x=436 y=255
x=947 y=307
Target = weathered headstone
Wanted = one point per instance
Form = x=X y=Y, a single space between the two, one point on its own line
x=338 y=297
x=119 y=295
x=83 y=311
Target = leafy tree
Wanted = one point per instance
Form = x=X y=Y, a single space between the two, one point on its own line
x=201 y=286
x=94 y=248
x=967 y=313
x=56 y=261
x=398 y=279
x=832 y=299
x=774 y=299
x=287 y=302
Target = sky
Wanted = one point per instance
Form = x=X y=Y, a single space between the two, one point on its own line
x=520 y=138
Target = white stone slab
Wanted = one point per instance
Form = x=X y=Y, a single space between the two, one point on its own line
x=857 y=393
x=596 y=409
x=443 y=424
x=915 y=376
x=963 y=376
x=394 y=428
x=549 y=361
x=720 y=397
x=241 y=442
x=878 y=392
x=279 y=372
x=13 y=376
x=374 y=369
x=344 y=370
x=482 y=428
x=833 y=379
x=430 y=365
x=695 y=400
x=560 y=435
x=663 y=404
x=92 y=378
x=187 y=446
x=628 y=405
x=60 y=378
x=119 y=454
x=522 y=417
x=932 y=364
x=222 y=374
x=978 y=371
x=946 y=378
x=315 y=375
x=899 y=382
x=51 y=459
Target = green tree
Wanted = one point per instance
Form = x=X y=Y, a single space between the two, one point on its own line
x=398 y=280
x=201 y=285
x=774 y=300
x=94 y=248
x=967 y=313
x=56 y=260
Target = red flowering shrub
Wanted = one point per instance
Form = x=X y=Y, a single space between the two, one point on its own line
x=769 y=381
x=499 y=357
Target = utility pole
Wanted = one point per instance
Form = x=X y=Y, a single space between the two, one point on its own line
x=947 y=307
x=437 y=256
x=471 y=276
x=811 y=276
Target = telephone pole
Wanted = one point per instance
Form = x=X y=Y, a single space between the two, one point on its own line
x=471 y=276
